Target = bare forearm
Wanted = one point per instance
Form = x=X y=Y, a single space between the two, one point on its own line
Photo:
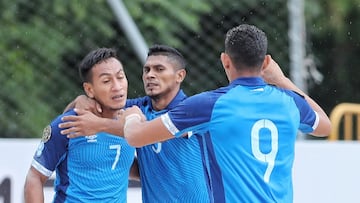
x=140 y=133
x=288 y=84
x=111 y=126
x=34 y=194
x=272 y=74
x=324 y=123
x=33 y=189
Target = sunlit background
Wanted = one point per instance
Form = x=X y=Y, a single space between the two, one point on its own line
x=316 y=42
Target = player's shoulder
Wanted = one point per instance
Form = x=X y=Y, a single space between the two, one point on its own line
x=290 y=93
x=140 y=101
x=58 y=119
x=298 y=98
x=204 y=101
x=54 y=124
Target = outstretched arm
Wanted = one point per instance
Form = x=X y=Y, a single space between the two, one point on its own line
x=34 y=184
x=86 y=123
x=272 y=74
x=139 y=132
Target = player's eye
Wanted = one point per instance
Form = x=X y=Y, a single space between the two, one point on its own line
x=146 y=70
x=105 y=81
x=160 y=69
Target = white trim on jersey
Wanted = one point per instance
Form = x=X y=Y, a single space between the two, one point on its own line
x=317 y=120
x=41 y=168
x=169 y=124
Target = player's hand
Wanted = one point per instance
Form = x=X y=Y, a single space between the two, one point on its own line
x=272 y=73
x=134 y=110
x=131 y=110
x=86 y=103
x=84 y=124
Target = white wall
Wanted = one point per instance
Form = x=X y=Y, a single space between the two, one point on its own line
x=327 y=172
x=323 y=171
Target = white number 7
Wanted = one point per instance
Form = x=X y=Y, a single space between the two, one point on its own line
x=117 y=147
x=255 y=141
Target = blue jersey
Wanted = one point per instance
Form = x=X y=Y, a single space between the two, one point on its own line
x=171 y=171
x=250 y=130
x=88 y=169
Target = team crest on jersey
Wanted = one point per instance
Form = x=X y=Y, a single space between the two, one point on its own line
x=46 y=134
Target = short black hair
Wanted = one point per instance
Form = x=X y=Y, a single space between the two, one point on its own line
x=246 y=45
x=91 y=59
x=170 y=52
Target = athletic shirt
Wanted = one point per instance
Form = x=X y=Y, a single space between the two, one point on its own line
x=171 y=171
x=250 y=130
x=88 y=169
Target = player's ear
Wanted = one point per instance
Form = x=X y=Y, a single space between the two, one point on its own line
x=88 y=89
x=180 y=75
x=266 y=62
x=225 y=60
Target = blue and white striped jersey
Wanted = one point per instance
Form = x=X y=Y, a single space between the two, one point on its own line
x=171 y=171
x=88 y=169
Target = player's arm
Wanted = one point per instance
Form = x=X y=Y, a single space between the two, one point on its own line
x=86 y=103
x=272 y=74
x=34 y=186
x=87 y=123
x=139 y=132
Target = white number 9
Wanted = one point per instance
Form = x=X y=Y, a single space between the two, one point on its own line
x=269 y=158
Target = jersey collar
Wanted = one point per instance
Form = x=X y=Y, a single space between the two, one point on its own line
x=176 y=100
x=248 y=81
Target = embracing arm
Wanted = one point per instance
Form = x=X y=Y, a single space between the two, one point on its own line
x=272 y=74
x=139 y=132
x=34 y=184
x=87 y=123
x=86 y=103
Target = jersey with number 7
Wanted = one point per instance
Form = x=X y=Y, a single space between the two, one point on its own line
x=88 y=169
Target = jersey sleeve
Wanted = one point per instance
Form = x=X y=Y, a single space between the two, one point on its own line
x=309 y=119
x=52 y=148
x=190 y=115
x=141 y=101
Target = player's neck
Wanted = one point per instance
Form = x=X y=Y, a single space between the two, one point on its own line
x=160 y=102
x=109 y=113
x=243 y=73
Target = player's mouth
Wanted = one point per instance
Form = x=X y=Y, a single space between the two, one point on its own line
x=151 y=85
x=118 y=97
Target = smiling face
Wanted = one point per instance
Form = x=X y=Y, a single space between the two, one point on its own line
x=108 y=85
x=161 y=77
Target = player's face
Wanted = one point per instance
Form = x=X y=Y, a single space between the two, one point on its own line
x=160 y=77
x=109 y=85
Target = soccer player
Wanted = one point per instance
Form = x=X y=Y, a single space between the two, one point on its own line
x=94 y=168
x=249 y=127
x=166 y=174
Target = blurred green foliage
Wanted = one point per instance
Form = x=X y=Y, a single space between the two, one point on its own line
x=333 y=29
x=39 y=56
x=43 y=41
